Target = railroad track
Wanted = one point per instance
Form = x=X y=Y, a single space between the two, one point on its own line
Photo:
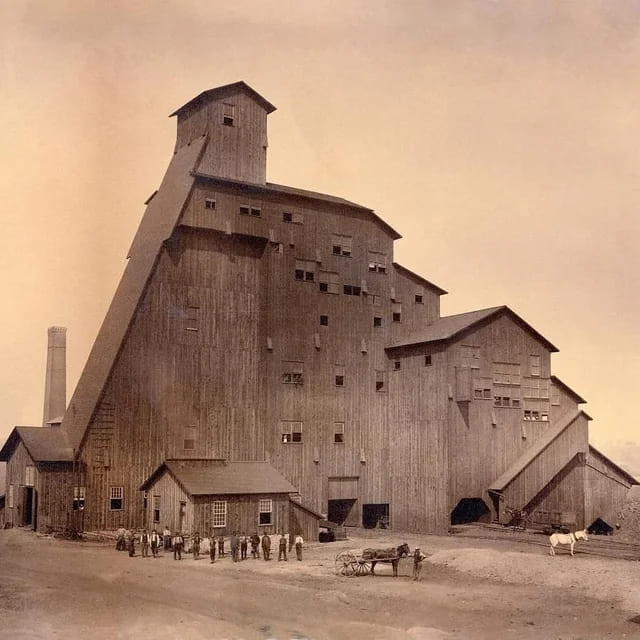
x=601 y=546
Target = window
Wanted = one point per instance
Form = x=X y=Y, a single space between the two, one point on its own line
x=535 y=388
x=189 y=441
x=396 y=314
x=78 y=498
x=305 y=270
x=29 y=476
x=380 y=381
x=470 y=356
x=534 y=365
x=145 y=500
x=293 y=218
x=339 y=380
x=555 y=395
x=530 y=414
x=352 y=290
x=265 y=512
x=482 y=394
x=419 y=298
x=291 y=431
x=341 y=245
x=506 y=373
x=292 y=373
x=396 y=317
x=192 y=318
x=209 y=203
x=116 y=501
x=329 y=282
x=427 y=361
x=219 y=513
x=10 y=496
x=375 y=300
x=377 y=262
x=324 y=321
x=377 y=321
x=339 y=376
x=254 y=212
x=156 y=508
x=397 y=365
x=506 y=397
x=338 y=432
x=544 y=417
x=228 y=114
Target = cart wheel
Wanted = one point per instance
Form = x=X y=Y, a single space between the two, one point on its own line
x=345 y=564
x=363 y=568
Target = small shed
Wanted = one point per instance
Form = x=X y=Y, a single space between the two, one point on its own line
x=217 y=496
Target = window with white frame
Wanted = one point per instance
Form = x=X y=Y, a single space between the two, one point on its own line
x=265 y=511
x=190 y=436
x=377 y=262
x=156 y=508
x=116 y=499
x=78 y=498
x=219 y=513
x=339 y=375
x=305 y=270
x=228 y=114
x=341 y=245
x=29 y=476
x=329 y=282
x=246 y=210
x=506 y=373
x=209 y=203
x=506 y=397
x=535 y=388
x=291 y=431
x=396 y=312
x=534 y=365
x=338 y=432
x=10 y=496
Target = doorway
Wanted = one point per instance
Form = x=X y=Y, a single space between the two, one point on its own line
x=339 y=510
x=470 y=510
x=375 y=515
x=181 y=516
x=28 y=506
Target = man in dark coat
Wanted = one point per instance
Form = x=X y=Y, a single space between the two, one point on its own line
x=266 y=546
x=282 y=547
x=255 y=544
x=212 y=548
x=233 y=542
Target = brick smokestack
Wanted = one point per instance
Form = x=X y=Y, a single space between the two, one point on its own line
x=55 y=385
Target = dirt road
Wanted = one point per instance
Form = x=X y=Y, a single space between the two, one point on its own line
x=470 y=589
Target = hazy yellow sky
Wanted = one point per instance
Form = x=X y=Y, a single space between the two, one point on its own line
x=499 y=138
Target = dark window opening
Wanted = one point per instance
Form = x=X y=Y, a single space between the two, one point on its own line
x=396 y=317
x=306 y=276
x=397 y=365
x=227 y=120
x=324 y=287
x=209 y=203
x=245 y=211
x=255 y=212
x=375 y=516
x=351 y=290
x=377 y=321
x=419 y=299
x=339 y=381
x=324 y=321
x=427 y=361
x=287 y=216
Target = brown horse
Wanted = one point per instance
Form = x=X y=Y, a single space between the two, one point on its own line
x=391 y=555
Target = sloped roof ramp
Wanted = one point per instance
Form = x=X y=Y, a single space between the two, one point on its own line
x=220 y=92
x=217 y=477
x=158 y=223
x=568 y=390
x=449 y=327
x=503 y=481
x=631 y=479
x=44 y=444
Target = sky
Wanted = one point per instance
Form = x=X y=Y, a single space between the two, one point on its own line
x=499 y=138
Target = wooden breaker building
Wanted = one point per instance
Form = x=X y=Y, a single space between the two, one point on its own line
x=265 y=360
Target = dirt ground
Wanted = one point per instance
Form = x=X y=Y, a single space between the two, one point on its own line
x=471 y=589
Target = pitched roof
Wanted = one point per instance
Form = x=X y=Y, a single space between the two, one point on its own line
x=218 y=477
x=270 y=187
x=420 y=279
x=503 y=481
x=44 y=444
x=223 y=90
x=449 y=327
x=610 y=462
x=567 y=389
x=157 y=225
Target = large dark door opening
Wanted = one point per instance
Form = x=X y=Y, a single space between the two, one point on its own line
x=470 y=510
x=28 y=506
x=375 y=515
x=339 y=510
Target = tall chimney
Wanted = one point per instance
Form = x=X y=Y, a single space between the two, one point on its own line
x=55 y=384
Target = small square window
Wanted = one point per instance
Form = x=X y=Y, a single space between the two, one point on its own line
x=339 y=381
x=419 y=299
x=227 y=120
x=427 y=361
x=377 y=321
x=477 y=393
x=324 y=321
x=324 y=287
x=396 y=365
x=486 y=394
x=255 y=212
x=245 y=211
x=396 y=317
x=209 y=203
x=287 y=216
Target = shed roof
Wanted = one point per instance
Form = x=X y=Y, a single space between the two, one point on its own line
x=449 y=327
x=503 y=481
x=158 y=223
x=567 y=389
x=218 y=477
x=617 y=468
x=220 y=92
x=418 y=278
x=271 y=187
x=44 y=444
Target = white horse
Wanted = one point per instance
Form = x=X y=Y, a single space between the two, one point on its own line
x=565 y=538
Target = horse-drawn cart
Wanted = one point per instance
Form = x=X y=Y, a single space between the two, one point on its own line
x=348 y=563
